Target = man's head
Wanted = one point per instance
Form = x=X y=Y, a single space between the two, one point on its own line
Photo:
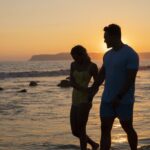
x=112 y=35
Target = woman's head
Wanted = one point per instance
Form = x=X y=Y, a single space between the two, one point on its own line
x=79 y=54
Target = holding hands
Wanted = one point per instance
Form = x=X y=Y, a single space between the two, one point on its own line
x=91 y=93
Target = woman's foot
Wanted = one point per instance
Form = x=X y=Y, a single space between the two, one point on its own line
x=95 y=146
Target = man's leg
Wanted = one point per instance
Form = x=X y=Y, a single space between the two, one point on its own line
x=131 y=133
x=107 y=116
x=106 y=126
x=125 y=114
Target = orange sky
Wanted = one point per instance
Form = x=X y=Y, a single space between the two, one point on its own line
x=31 y=27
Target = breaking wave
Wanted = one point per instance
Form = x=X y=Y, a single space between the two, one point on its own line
x=43 y=73
x=33 y=74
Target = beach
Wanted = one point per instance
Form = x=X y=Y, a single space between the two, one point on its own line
x=38 y=119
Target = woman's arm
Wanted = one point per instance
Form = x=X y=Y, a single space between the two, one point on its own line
x=94 y=71
x=99 y=77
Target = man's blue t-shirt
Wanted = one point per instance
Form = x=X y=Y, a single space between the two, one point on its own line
x=116 y=64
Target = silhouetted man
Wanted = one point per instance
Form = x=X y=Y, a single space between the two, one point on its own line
x=119 y=69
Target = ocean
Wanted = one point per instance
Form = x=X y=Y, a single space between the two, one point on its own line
x=39 y=118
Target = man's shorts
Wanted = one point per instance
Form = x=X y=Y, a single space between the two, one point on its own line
x=122 y=111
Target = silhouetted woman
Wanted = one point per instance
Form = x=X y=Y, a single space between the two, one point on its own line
x=82 y=70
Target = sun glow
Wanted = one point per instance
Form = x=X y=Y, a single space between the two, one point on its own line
x=125 y=40
x=103 y=47
x=48 y=27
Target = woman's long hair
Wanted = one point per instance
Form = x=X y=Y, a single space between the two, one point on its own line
x=79 y=50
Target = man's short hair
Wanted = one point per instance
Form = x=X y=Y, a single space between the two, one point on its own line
x=113 y=30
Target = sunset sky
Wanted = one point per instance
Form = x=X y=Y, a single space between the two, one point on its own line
x=29 y=27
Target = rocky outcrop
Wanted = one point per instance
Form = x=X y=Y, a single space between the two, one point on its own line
x=1 y=89
x=33 y=83
x=22 y=91
x=64 y=84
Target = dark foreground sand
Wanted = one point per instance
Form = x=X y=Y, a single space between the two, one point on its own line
x=142 y=148
x=145 y=148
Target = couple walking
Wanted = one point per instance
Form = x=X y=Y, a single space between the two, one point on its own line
x=119 y=69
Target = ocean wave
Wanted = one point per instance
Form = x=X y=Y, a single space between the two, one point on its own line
x=4 y=75
x=43 y=73
x=144 y=67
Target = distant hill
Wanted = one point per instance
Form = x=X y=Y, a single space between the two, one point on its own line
x=61 y=56
x=46 y=57
x=66 y=56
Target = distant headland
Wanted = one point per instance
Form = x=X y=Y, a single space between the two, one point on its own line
x=66 y=56
x=61 y=56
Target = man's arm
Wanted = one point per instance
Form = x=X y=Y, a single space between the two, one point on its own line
x=132 y=68
x=130 y=81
